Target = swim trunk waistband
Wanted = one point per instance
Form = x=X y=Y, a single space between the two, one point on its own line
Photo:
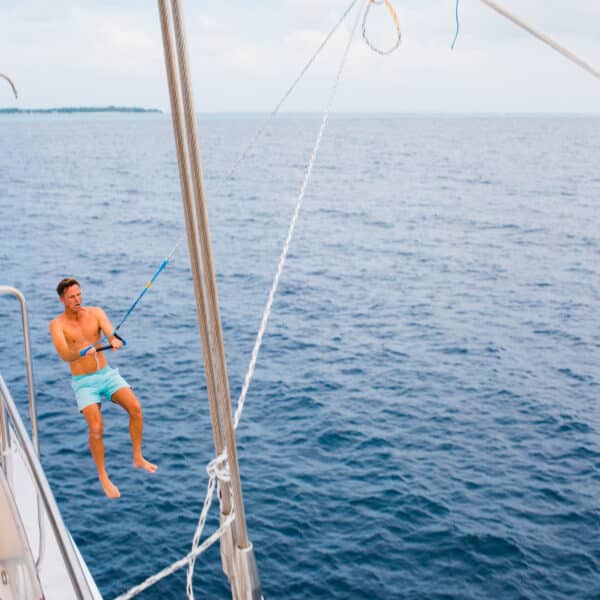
x=100 y=372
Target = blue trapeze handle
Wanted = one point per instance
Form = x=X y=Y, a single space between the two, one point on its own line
x=103 y=348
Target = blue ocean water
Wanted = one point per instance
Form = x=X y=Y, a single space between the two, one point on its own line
x=424 y=418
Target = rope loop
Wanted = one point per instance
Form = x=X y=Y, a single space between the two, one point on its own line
x=394 y=16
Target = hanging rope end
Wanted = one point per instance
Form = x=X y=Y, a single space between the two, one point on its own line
x=457 y=27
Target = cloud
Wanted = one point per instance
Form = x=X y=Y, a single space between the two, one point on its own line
x=313 y=15
x=206 y=23
x=245 y=55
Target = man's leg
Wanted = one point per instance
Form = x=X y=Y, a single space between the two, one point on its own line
x=126 y=398
x=93 y=416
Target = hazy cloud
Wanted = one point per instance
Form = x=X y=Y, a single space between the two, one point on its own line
x=244 y=55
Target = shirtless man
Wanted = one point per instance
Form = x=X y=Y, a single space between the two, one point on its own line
x=76 y=329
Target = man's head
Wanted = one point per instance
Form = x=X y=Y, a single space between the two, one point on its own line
x=65 y=284
x=69 y=293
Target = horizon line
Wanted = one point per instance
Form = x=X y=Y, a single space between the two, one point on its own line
x=11 y=110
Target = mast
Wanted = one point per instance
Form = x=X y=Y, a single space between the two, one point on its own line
x=237 y=551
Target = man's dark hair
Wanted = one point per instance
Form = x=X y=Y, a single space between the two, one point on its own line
x=65 y=283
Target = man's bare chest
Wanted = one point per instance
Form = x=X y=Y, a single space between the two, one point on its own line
x=86 y=330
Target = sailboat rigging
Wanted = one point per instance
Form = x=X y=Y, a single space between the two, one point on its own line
x=237 y=550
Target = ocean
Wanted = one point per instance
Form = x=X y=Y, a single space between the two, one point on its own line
x=424 y=418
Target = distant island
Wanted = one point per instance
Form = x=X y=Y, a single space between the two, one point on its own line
x=79 y=109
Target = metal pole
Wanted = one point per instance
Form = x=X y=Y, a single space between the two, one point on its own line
x=7 y=290
x=190 y=220
x=211 y=285
x=244 y=575
x=543 y=38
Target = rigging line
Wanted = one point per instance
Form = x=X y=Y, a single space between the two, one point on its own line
x=12 y=85
x=457 y=27
x=128 y=312
x=289 y=91
x=163 y=265
x=543 y=37
x=245 y=151
x=182 y=562
x=292 y=226
x=215 y=471
x=175 y=247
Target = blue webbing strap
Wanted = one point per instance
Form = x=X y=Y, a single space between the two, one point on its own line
x=457 y=27
x=132 y=307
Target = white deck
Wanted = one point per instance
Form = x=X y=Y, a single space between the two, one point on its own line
x=51 y=569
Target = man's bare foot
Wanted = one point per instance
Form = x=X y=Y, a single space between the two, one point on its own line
x=110 y=489
x=142 y=463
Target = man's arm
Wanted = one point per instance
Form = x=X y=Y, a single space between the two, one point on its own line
x=60 y=343
x=107 y=329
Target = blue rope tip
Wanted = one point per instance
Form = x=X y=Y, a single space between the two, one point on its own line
x=457 y=27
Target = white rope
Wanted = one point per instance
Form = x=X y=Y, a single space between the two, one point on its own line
x=191 y=556
x=275 y=110
x=289 y=91
x=543 y=37
x=292 y=226
x=218 y=468
x=196 y=539
x=11 y=450
x=493 y=5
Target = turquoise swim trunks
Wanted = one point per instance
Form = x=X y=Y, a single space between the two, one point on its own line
x=90 y=388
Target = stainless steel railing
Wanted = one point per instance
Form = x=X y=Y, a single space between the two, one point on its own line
x=65 y=545
x=11 y=291
x=6 y=290
x=30 y=450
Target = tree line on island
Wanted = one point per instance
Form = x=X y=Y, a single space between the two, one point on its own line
x=81 y=109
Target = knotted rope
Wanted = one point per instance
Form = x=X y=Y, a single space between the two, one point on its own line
x=190 y=558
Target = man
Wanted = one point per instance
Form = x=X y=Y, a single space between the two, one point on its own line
x=79 y=328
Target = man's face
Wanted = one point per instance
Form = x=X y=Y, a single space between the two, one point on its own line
x=71 y=298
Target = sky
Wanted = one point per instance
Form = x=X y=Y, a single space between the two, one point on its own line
x=244 y=55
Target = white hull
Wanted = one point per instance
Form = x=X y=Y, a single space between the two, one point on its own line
x=38 y=557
